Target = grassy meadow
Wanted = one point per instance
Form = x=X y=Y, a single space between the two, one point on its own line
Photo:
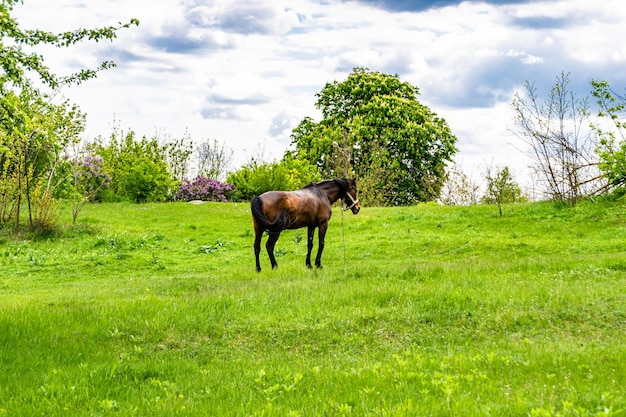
x=156 y=310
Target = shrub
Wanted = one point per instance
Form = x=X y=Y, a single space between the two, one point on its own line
x=8 y=190
x=146 y=181
x=255 y=178
x=44 y=212
x=203 y=188
x=137 y=168
x=88 y=178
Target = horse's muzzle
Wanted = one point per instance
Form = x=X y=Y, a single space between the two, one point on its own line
x=355 y=206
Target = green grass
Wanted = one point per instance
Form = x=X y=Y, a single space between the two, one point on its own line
x=146 y=310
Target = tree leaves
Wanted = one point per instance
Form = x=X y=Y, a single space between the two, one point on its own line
x=612 y=142
x=15 y=63
x=397 y=146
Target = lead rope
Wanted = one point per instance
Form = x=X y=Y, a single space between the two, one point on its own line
x=343 y=234
x=345 y=207
x=343 y=237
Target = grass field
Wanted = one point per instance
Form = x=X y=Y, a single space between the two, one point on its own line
x=156 y=310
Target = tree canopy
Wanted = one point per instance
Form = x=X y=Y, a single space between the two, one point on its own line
x=374 y=124
x=33 y=130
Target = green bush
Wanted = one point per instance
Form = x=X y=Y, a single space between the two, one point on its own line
x=146 y=180
x=256 y=178
x=138 y=169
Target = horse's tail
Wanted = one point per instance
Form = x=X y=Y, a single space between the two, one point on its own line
x=280 y=223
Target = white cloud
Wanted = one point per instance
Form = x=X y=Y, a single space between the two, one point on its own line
x=242 y=88
x=247 y=72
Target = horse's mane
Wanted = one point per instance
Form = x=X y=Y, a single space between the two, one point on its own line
x=342 y=183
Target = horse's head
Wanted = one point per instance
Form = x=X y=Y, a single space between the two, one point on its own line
x=350 y=199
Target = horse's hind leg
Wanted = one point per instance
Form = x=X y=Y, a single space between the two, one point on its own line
x=309 y=245
x=269 y=245
x=320 y=246
x=257 y=247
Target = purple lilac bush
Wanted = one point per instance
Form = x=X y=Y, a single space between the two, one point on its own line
x=89 y=175
x=205 y=189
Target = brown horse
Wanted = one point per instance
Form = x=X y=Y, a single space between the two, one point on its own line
x=275 y=211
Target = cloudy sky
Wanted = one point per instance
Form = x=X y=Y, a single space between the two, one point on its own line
x=246 y=72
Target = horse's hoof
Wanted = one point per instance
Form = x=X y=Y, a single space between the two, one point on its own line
x=274 y=266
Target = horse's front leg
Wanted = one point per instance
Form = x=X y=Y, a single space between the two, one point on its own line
x=269 y=245
x=258 y=234
x=320 y=245
x=309 y=245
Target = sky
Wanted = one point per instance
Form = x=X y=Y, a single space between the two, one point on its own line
x=245 y=72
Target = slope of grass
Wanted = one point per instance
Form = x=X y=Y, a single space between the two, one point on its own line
x=156 y=309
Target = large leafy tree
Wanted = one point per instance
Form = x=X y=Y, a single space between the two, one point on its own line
x=374 y=124
x=34 y=130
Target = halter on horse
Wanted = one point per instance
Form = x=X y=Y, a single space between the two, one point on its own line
x=310 y=206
